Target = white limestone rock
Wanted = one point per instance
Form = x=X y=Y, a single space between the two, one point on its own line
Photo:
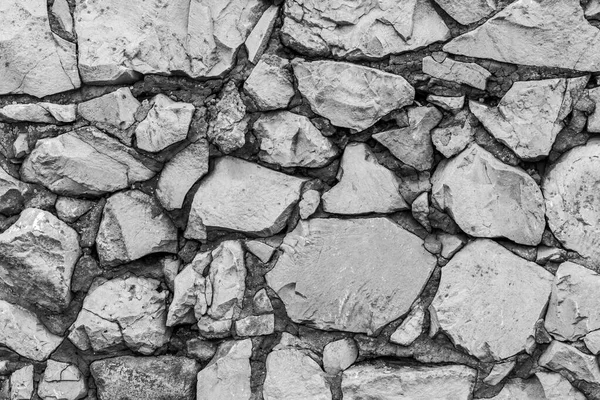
x=228 y=123
x=339 y=355
x=466 y=12
x=448 y=103
x=411 y=327
x=364 y=185
x=45 y=113
x=69 y=209
x=61 y=11
x=263 y=251
x=592 y=342
x=309 y=203
x=21 y=384
x=492 y=286
x=12 y=194
x=62 y=381
x=454 y=134
x=499 y=372
x=190 y=289
x=227 y=376
x=451 y=244
x=255 y=325
x=350 y=95
x=341 y=274
x=556 y=387
x=521 y=389
x=488 y=198
x=570 y=362
x=471 y=74
x=258 y=39
x=270 y=83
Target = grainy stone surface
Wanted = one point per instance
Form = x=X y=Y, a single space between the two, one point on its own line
x=62 y=381
x=227 y=376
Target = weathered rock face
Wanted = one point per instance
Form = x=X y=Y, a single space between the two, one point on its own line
x=255 y=325
x=572 y=203
x=242 y=196
x=37 y=258
x=453 y=382
x=454 y=134
x=466 y=11
x=455 y=71
x=488 y=198
x=270 y=83
x=227 y=376
x=491 y=284
x=356 y=30
x=258 y=40
x=39 y=112
x=85 y=162
x=349 y=95
x=199 y=39
x=69 y=209
x=339 y=355
x=574 y=364
x=546 y=34
x=145 y=378
x=62 y=381
x=21 y=383
x=556 y=387
x=411 y=327
x=229 y=122
x=334 y=274
x=26 y=41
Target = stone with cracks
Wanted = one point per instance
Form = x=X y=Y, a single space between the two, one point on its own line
x=23 y=332
x=488 y=198
x=122 y=313
x=145 y=378
x=255 y=325
x=360 y=30
x=530 y=114
x=227 y=376
x=570 y=362
x=21 y=383
x=455 y=71
x=35 y=61
x=270 y=83
x=258 y=40
x=46 y=113
x=85 y=162
x=291 y=140
x=199 y=38
x=541 y=33
x=572 y=202
x=241 y=196
x=62 y=381
x=489 y=300
x=189 y=290
x=411 y=327
x=229 y=122
x=454 y=134
x=38 y=254
x=339 y=355
x=343 y=274
x=466 y=12
x=364 y=185
x=167 y=123
x=450 y=382
x=133 y=226
x=349 y=95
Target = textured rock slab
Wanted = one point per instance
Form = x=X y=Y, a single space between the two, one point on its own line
x=489 y=300
x=545 y=34
x=229 y=122
x=21 y=383
x=455 y=71
x=593 y=122
x=35 y=60
x=12 y=194
x=354 y=275
x=468 y=11
x=339 y=355
x=199 y=39
x=349 y=95
x=357 y=30
x=242 y=196
x=453 y=382
x=411 y=327
x=255 y=325
x=499 y=372
x=364 y=185
x=454 y=133
x=62 y=381
x=47 y=113
x=69 y=209
x=145 y=378
x=189 y=285
x=270 y=83
x=556 y=387
x=570 y=362
x=85 y=162
x=37 y=258
x=488 y=198
x=227 y=376
x=257 y=41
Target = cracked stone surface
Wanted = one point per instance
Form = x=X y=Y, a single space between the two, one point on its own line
x=228 y=124
x=567 y=360
x=62 y=381
x=39 y=112
x=466 y=11
x=270 y=83
x=455 y=71
x=21 y=383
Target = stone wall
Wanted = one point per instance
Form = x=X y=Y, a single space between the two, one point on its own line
x=299 y=199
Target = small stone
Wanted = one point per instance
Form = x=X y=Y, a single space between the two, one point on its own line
x=39 y=112
x=263 y=251
x=21 y=146
x=466 y=12
x=455 y=71
x=257 y=41
x=12 y=194
x=451 y=244
x=420 y=210
x=364 y=185
x=69 y=209
x=201 y=349
x=258 y=325
x=550 y=254
x=411 y=327
x=517 y=388
x=21 y=383
x=170 y=267
x=592 y=342
x=452 y=104
x=453 y=134
x=556 y=387
x=499 y=372
x=61 y=11
x=262 y=303
x=62 y=381
x=228 y=123
x=570 y=362
x=339 y=355
x=309 y=203
x=88 y=224
x=189 y=285
x=593 y=121
x=227 y=376
x=270 y=83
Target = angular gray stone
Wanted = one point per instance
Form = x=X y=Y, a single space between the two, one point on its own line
x=330 y=280
x=21 y=383
x=466 y=12
x=411 y=327
x=145 y=378
x=201 y=349
x=61 y=11
x=364 y=185
x=592 y=342
x=263 y=251
x=35 y=61
x=448 y=103
x=12 y=194
x=38 y=254
x=593 y=122
x=350 y=95
x=450 y=243
x=270 y=83
x=47 y=113
x=62 y=381
x=262 y=303
x=339 y=355
x=501 y=296
x=471 y=74
x=556 y=387
x=420 y=210
x=309 y=203
x=85 y=162
x=242 y=196
x=545 y=34
x=499 y=372
x=227 y=376
x=255 y=325
x=451 y=382
x=257 y=41
x=570 y=362
x=521 y=389
x=69 y=209
x=488 y=198
x=189 y=290
x=454 y=134
x=229 y=122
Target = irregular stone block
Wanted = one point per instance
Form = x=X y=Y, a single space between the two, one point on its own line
x=62 y=381
x=455 y=71
x=227 y=376
x=270 y=83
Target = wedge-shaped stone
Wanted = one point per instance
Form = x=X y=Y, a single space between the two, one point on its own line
x=227 y=376
x=356 y=30
x=257 y=41
x=228 y=120
x=113 y=111
x=21 y=383
x=189 y=285
x=242 y=196
x=85 y=162
x=545 y=33
x=451 y=382
x=572 y=363
x=489 y=300
x=488 y=198
x=62 y=381
x=270 y=83
x=468 y=11
x=530 y=114
x=349 y=95
x=455 y=71
x=353 y=275
x=48 y=113
x=544 y=386
x=454 y=133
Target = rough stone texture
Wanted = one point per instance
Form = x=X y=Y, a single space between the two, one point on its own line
x=557 y=387
x=567 y=360
x=499 y=372
x=488 y=198
x=448 y=103
x=257 y=41
x=229 y=122
x=455 y=71
x=261 y=250
x=145 y=378
x=467 y=11
x=255 y=325
x=593 y=122
x=411 y=327
x=270 y=83
x=21 y=383
x=340 y=274
x=62 y=381
x=60 y=9
x=349 y=95
x=454 y=134
x=227 y=376
x=339 y=355
x=39 y=112
x=501 y=296
x=188 y=287
x=12 y=192
x=309 y=203
x=69 y=209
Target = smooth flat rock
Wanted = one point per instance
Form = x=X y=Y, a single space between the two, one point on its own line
x=411 y=327
x=228 y=123
x=270 y=83
x=38 y=254
x=544 y=34
x=263 y=251
x=529 y=116
x=488 y=198
x=466 y=12
x=452 y=382
x=339 y=355
x=199 y=39
x=258 y=40
x=44 y=113
x=501 y=296
x=364 y=185
x=21 y=383
x=242 y=196
x=572 y=363
x=85 y=162
x=145 y=378
x=227 y=376
x=471 y=74
x=351 y=96
x=291 y=140
x=62 y=381
x=354 y=275
x=357 y=30
x=27 y=40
